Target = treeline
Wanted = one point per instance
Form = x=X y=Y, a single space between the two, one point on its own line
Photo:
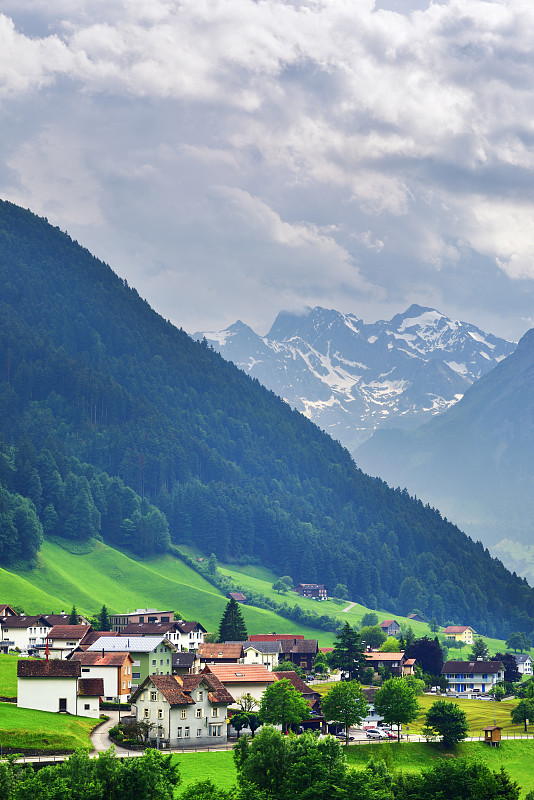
x=143 y=417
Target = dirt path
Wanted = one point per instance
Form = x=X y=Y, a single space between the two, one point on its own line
x=348 y=608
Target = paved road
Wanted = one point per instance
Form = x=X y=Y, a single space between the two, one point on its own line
x=348 y=608
x=100 y=737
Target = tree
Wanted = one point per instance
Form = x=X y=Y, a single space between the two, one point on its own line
x=511 y=672
x=281 y=704
x=523 y=712
x=103 y=619
x=239 y=721
x=479 y=650
x=370 y=619
x=434 y=627
x=395 y=701
x=348 y=654
x=212 y=564
x=345 y=703
x=288 y=666
x=73 y=619
x=372 y=636
x=457 y=779
x=449 y=720
x=247 y=702
x=232 y=625
x=341 y=591
x=279 y=586
x=391 y=645
x=518 y=641
x=428 y=654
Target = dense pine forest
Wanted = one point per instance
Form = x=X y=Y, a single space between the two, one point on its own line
x=114 y=423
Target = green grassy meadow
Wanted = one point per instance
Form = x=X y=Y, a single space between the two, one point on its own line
x=105 y=575
x=43 y=730
x=8 y=675
x=218 y=766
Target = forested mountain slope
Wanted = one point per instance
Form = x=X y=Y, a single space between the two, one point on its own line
x=116 y=422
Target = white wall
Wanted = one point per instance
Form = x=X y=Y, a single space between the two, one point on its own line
x=44 y=693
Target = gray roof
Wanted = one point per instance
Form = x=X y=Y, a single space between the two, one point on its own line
x=129 y=644
x=474 y=667
x=263 y=647
x=520 y=658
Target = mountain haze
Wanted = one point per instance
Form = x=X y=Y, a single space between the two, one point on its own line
x=352 y=378
x=475 y=461
x=114 y=423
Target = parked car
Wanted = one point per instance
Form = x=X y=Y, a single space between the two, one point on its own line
x=375 y=733
x=342 y=736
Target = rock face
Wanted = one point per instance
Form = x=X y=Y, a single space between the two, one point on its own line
x=352 y=378
x=474 y=462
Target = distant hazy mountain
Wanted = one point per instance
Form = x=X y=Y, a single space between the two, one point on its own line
x=475 y=462
x=351 y=378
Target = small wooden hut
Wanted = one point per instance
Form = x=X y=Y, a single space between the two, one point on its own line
x=492 y=735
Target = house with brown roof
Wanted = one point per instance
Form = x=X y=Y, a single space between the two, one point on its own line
x=183 y=710
x=267 y=653
x=473 y=676
x=317 y=591
x=228 y=653
x=48 y=685
x=114 y=669
x=25 y=632
x=90 y=690
x=460 y=633
x=7 y=611
x=183 y=635
x=295 y=648
x=64 y=639
x=390 y=627
x=240 y=679
x=394 y=662
x=239 y=597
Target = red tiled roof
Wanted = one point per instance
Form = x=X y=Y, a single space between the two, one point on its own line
x=217 y=691
x=94 y=658
x=91 y=687
x=240 y=673
x=171 y=690
x=92 y=636
x=384 y=656
x=456 y=629
x=54 y=668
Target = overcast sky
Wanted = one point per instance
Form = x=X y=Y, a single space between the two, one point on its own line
x=231 y=158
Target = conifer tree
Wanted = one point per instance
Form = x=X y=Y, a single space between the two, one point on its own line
x=103 y=619
x=73 y=619
x=232 y=626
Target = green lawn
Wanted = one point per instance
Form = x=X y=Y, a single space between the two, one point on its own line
x=8 y=676
x=27 y=729
x=219 y=767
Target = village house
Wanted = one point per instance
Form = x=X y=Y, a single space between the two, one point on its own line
x=228 y=653
x=314 y=590
x=240 y=679
x=267 y=653
x=295 y=648
x=25 y=633
x=62 y=640
x=373 y=718
x=390 y=627
x=183 y=711
x=396 y=663
x=56 y=685
x=524 y=663
x=119 y=621
x=239 y=597
x=472 y=676
x=115 y=670
x=151 y=654
x=460 y=633
x=186 y=663
x=183 y=635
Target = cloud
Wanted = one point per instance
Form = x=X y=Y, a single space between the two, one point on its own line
x=249 y=154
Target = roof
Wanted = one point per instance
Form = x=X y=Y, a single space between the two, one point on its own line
x=91 y=687
x=326 y=649
x=477 y=667
x=296 y=680
x=134 y=644
x=299 y=646
x=409 y=662
x=521 y=658
x=240 y=673
x=148 y=628
x=188 y=627
x=69 y=631
x=387 y=622
x=183 y=660
x=139 y=611
x=385 y=656
x=209 y=651
x=54 y=668
x=4 y=609
x=274 y=637
x=27 y=622
x=93 y=636
x=456 y=629
x=239 y=597
x=95 y=659
x=218 y=693
x=171 y=690
x=263 y=647
x=416 y=617
x=369 y=693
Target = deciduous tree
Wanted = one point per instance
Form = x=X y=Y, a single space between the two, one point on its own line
x=449 y=720
x=395 y=701
x=345 y=703
x=281 y=704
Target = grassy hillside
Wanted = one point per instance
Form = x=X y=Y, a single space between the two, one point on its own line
x=108 y=576
x=27 y=729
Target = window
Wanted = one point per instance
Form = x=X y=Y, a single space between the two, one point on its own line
x=200 y=696
x=160 y=713
x=129 y=684
x=179 y=733
x=138 y=676
x=186 y=733
x=183 y=713
x=154 y=697
x=215 y=711
x=146 y=713
x=136 y=663
x=198 y=713
x=86 y=706
x=153 y=662
x=161 y=662
x=124 y=684
x=199 y=732
x=215 y=730
x=86 y=669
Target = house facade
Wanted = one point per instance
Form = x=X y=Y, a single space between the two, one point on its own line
x=460 y=633
x=266 y=653
x=62 y=640
x=524 y=663
x=115 y=670
x=317 y=591
x=48 y=685
x=240 y=679
x=90 y=690
x=119 y=621
x=184 y=711
x=473 y=676
x=390 y=627
x=227 y=653
x=394 y=662
x=151 y=655
x=183 y=635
